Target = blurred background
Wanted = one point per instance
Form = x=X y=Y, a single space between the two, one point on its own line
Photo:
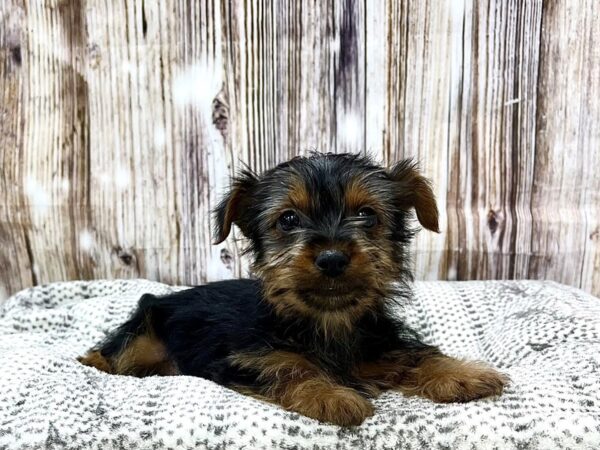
x=122 y=121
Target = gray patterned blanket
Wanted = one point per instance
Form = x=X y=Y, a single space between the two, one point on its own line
x=544 y=335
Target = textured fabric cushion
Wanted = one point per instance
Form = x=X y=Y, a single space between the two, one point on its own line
x=544 y=335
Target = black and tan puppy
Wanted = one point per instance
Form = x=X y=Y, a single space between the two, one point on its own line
x=313 y=333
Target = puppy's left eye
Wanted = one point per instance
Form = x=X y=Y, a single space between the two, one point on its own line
x=368 y=215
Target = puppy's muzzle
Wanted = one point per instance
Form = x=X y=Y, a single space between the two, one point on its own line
x=332 y=262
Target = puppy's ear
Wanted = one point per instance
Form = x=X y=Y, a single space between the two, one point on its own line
x=234 y=206
x=414 y=191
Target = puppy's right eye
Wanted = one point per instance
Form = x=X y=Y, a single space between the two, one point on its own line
x=288 y=221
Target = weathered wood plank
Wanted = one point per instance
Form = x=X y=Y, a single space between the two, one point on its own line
x=161 y=62
x=460 y=85
x=414 y=99
x=15 y=264
x=493 y=165
x=566 y=188
x=52 y=121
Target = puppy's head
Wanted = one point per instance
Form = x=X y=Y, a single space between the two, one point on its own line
x=328 y=232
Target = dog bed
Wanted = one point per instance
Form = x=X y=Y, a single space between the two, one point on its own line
x=546 y=336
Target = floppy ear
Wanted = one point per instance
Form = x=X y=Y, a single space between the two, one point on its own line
x=415 y=192
x=234 y=205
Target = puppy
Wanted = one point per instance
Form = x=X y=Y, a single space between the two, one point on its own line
x=314 y=332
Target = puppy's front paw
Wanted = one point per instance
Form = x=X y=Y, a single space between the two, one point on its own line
x=448 y=380
x=338 y=405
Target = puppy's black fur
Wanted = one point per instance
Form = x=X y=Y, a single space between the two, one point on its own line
x=313 y=332
x=203 y=326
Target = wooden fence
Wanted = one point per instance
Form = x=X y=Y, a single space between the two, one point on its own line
x=121 y=121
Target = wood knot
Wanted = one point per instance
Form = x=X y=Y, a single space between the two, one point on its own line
x=220 y=115
x=94 y=55
x=124 y=256
x=144 y=20
x=12 y=38
x=227 y=258
x=15 y=52
x=492 y=220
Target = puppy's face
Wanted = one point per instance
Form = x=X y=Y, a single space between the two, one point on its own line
x=329 y=231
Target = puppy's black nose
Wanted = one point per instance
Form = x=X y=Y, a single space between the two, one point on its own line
x=332 y=262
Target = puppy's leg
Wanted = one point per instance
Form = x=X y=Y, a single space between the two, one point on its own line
x=133 y=349
x=95 y=359
x=297 y=384
x=431 y=374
